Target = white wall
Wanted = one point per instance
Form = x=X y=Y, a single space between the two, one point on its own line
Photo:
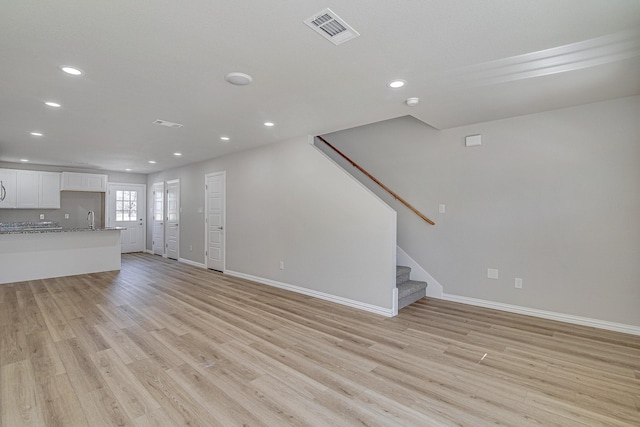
x=287 y=201
x=552 y=198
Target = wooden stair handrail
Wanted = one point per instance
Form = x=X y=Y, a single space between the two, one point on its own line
x=387 y=189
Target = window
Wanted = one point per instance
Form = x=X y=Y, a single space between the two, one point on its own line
x=126 y=206
x=158 y=205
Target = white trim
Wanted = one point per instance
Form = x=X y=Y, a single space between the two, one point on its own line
x=148 y=251
x=394 y=308
x=193 y=263
x=568 y=318
x=434 y=289
x=321 y=295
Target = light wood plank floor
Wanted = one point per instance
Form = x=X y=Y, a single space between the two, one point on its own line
x=163 y=343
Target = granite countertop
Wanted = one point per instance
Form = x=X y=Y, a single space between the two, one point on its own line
x=61 y=230
x=48 y=227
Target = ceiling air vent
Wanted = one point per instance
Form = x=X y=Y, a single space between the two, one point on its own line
x=331 y=27
x=167 y=124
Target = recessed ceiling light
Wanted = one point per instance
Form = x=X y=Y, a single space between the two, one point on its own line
x=153 y=162
x=396 y=84
x=238 y=79
x=224 y=138
x=177 y=154
x=269 y=124
x=167 y=124
x=53 y=104
x=71 y=70
x=128 y=169
x=36 y=134
x=24 y=160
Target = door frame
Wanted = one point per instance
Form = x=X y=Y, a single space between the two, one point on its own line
x=224 y=219
x=111 y=222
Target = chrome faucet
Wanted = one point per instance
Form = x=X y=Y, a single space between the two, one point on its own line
x=91 y=217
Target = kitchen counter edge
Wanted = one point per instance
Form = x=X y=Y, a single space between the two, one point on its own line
x=64 y=230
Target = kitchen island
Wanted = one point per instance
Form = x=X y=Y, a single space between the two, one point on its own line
x=45 y=253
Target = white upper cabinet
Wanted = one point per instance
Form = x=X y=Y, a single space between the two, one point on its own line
x=7 y=188
x=27 y=190
x=74 y=181
x=49 y=190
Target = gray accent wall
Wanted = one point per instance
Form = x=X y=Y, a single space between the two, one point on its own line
x=289 y=202
x=552 y=198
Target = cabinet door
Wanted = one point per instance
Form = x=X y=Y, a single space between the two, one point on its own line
x=49 y=190
x=75 y=181
x=96 y=182
x=7 y=188
x=72 y=181
x=27 y=189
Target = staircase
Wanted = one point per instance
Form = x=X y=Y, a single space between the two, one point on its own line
x=409 y=291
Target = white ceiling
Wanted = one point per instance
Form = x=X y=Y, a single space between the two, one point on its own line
x=467 y=60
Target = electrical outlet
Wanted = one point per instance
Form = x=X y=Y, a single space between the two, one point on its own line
x=492 y=273
x=441 y=208
x=66 y=216
x=518 y=283
x=281 y=265
x=190 y=248
x=41 y=216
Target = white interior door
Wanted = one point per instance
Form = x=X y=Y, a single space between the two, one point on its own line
x=126 y=207
x=157 y=242
x=215 y=220
x=172 y=224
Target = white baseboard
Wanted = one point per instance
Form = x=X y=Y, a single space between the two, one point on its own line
x=148 y=251
x=568 y=318
x=195 y=264
x=387 y=312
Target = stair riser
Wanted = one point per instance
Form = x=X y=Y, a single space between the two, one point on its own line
x=402 y=278
x=411 y=298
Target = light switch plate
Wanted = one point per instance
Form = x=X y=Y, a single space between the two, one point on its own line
x=441 y=208
x=492 y=273
x=473 y=140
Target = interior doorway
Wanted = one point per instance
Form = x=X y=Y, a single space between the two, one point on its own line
x=215 y=186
